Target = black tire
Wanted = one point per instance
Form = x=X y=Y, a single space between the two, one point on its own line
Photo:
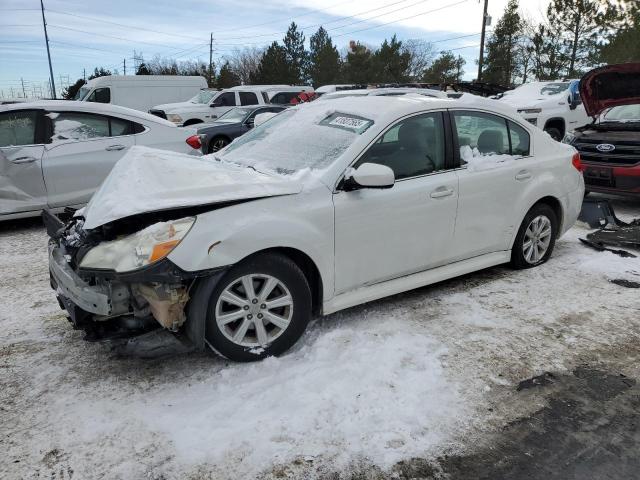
x=518 y=259
x=554 y=133
x=218 y=143
x=284 y=270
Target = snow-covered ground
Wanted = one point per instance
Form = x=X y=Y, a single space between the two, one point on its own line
x=427 y=372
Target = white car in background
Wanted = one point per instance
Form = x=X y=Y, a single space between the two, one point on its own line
x=555 y=107
x=55 y=154
x=314 y=211
x=211 y=104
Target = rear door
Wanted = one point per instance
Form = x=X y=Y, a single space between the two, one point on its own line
x=490 y=180
x=22 y=187
x=84 y=148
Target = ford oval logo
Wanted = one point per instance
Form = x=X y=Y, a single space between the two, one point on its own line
x=605 y=147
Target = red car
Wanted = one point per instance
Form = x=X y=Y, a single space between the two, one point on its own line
x=610 y=146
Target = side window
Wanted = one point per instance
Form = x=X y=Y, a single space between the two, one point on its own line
x=519 y=140
x=227 y=99
x=120 y=127
x=137 y=127
x=78 y=126
x=484 y=132
x=18 y=128
x=100 y=95
x=283 y=98
x=411 y=148
x=248 y=98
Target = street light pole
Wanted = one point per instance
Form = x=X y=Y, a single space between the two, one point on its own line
x=46 y=38
x=484 y=27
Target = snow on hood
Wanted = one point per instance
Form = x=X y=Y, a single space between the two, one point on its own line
x=610 y=86
x=147 y=180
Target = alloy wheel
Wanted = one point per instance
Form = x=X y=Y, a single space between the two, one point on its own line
x=537 y=238
x=254 y=310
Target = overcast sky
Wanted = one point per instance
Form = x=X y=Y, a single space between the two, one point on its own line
x=82 y=37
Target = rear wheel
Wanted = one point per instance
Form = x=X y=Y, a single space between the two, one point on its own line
x=218 y=143
x=259 y=308
x=536 y=237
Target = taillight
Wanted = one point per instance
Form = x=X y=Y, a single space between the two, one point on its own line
x=575 y=160
x=194 y=142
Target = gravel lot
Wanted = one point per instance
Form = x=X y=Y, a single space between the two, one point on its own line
x=425 y=384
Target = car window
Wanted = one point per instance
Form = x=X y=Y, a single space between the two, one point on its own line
x=482 y=131
x=227 y=99
x=283 y=98
x=411 y=148
x=520 y=140
x=78 y=126
x=248 y=98
x=18 y=128
x=120 y=127
x=100 y=95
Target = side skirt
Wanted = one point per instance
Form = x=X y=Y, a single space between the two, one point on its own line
x=416 y=280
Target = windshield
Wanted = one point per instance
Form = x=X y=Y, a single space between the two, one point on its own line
x=295 y=140
x=204 y=96
x=539 y=89
x=235 y=115
x=82 y=93
x=624 y=113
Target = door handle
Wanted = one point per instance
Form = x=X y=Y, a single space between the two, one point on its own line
x=111 y=148
x=523 y=175
x=21 y=160
x=442 y=192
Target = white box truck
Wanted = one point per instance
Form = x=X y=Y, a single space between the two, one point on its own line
x=140 y=92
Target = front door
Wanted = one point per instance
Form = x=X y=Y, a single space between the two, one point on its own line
x=387 y=233
x=83 y=150
x=22 y=188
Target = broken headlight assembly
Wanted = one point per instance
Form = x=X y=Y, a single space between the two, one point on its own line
x=138 y=249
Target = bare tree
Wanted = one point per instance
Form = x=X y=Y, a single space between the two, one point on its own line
x=244 y=62
x=421 y=54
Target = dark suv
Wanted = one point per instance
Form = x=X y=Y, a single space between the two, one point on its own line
x=610 y=146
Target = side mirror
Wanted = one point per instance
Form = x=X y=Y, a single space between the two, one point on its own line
x=370 y=175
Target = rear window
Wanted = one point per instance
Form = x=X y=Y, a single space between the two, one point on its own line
x=18 y=128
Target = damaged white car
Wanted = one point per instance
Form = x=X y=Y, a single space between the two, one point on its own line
x=325 y=206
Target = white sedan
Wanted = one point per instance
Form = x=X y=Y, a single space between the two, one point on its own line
x=55 y=154
x=318 y=209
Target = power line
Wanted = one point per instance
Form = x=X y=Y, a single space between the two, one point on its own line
x=110 y=36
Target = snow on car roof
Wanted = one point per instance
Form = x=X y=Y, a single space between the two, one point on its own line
x=91 y=107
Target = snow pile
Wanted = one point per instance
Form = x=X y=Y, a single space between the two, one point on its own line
x=146 y=180
x=326 y=399
x=263 y=117
x=477 y=161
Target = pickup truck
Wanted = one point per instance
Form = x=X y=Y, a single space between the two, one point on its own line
x=555 y=107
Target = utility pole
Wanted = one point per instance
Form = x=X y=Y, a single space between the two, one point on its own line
x=24 y=95
x=84 y=74
x=211 y=60
x=46 y=38
x=484 y=27
x=124 y=65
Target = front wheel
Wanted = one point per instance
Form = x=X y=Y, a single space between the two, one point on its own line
x=260 y=308
x=218 y=143
x=536 y=237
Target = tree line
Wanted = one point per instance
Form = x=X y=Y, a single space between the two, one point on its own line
x=573 y=37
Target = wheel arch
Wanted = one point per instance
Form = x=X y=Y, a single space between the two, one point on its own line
x=556 y=122
x=556 y=206
x=192 y=121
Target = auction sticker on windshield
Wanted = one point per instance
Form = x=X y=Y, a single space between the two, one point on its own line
x=347 y=122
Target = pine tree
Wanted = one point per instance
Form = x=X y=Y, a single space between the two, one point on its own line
x=445 y=69
x=358 y=65
x=296 y=55
x=582 y=24
x=274 y=67
x=502 y=60
x=143 y=69
x=623 y=45
x=227 y=78
x=391 y=63
x=324 y=60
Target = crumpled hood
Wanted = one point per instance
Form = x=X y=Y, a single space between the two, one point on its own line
x=148 y=180
x=610 y=86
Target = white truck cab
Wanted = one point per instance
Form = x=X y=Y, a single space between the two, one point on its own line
x=555 y=107
x=140 y=92
x=210 y=104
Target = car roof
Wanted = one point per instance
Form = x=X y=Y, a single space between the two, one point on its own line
x=384 y=91
x=89 y=107
x=386 y=109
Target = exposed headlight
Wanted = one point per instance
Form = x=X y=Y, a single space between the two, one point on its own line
x=529 y=110
x=568 y=138
x=174 y=117
x=139 y=249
